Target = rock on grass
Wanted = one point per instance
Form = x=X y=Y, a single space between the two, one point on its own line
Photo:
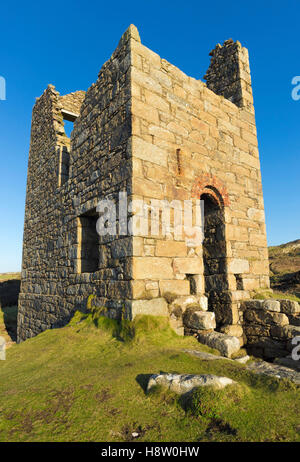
x=183 y=383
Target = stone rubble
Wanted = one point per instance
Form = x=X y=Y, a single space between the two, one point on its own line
x=278 y=369
x=274 y=370
x=288 y=362
x=227 y=345
x=211 y=357
x=201 y=320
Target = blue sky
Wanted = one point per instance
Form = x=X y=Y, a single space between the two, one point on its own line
x=65 y=43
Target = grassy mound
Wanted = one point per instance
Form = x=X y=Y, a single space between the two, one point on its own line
x=87 y=382
x=275 y=294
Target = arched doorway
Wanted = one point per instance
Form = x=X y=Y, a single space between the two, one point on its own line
x=214 y=257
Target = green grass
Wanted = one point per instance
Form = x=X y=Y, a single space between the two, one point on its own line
x=86 y=382
x=8 y=322
x=265 y=294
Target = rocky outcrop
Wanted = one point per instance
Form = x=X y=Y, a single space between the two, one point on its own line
x=183 y=383
x=274 y=370
x=211 y=357
x=280 y=370
x=227 y=345
x=195 y=319
x=288 y=362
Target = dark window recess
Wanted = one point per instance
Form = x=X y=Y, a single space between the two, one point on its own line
x=239 y=282
x=88 y=242
x=64 y=166
x=215 y=260
x=193 y=287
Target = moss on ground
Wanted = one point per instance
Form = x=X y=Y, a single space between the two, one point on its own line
x=87 y=382
x=8 y=322
x=266 y=294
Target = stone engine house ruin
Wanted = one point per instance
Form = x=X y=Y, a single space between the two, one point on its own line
x=147 y=129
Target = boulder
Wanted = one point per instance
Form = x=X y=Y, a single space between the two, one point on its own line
x=227 y=345
x=183 y=383
x=266 y=305
x=274 y=370
x=186 y=300
x=266 y=317
x=271 y=305
x=154 y=307
x=176 y=325
x=234 y=330
x=289 y=307
x=203 y=302
x=294 y=319
x=199 y=319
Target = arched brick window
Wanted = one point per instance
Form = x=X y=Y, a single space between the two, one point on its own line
x=210 y=184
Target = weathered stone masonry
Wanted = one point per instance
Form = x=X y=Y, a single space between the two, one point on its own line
x=148 y=129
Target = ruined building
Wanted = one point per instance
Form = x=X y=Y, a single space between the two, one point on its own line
x=145 y=128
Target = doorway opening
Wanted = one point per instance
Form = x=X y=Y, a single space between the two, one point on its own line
x=214 y=259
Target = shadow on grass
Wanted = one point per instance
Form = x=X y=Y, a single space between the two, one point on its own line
x=10 y=314
x=143 y=380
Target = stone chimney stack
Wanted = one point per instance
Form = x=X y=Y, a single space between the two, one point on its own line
x=229 y=74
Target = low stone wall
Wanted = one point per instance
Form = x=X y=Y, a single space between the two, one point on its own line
x=9 y=292
x=270 y=326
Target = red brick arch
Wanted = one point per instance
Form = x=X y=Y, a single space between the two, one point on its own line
x=210 y=184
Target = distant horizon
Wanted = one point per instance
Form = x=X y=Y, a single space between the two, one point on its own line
x=28 y=65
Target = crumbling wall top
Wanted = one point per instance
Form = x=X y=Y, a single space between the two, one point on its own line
x=229 y=74
x=72 y=102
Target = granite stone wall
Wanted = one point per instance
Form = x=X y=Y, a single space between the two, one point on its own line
x=270 y=326
x=96 y=162
x=188 y=141
x=147 y=129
